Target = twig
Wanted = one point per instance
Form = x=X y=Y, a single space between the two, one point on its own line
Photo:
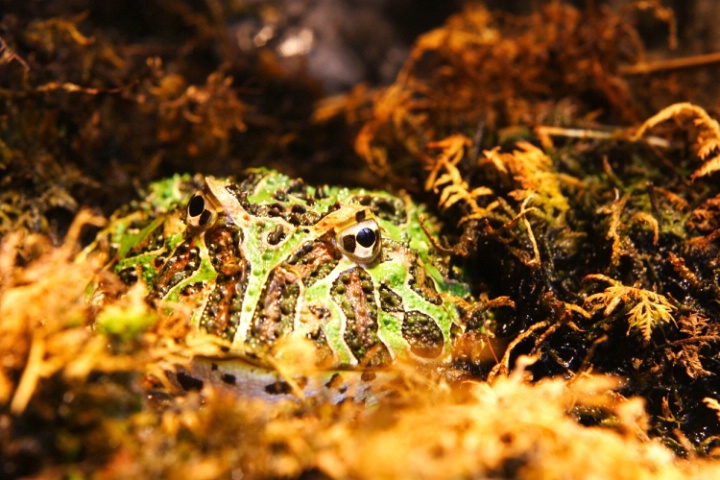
x=645 y=68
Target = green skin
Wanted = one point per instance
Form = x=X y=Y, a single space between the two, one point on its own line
x=267 y=261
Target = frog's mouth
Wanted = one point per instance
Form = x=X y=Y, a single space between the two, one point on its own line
x=252 y=380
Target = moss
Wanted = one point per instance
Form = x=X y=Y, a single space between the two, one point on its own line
x=585 y=212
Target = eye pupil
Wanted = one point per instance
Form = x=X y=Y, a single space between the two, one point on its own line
x=196 y=206
x=366 y=237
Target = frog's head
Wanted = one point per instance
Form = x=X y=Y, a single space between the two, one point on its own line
x=354 y=228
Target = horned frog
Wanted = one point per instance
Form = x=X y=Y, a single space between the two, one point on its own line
x=267 y=257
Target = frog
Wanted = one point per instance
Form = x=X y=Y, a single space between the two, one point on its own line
x=356 y=273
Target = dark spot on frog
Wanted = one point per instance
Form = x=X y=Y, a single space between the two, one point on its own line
x=322 y=193
x=385 y=208
x=205 y=218
x=360 y=216
x=182 y=249
x=336 y=382
x=349 y=243
x=297 y=208
x=188 y=382
x=192 y=289
x=275 y=210
x=159 y=261
x=228 y=378
x=296 y=186
x=278 y=388
x=423 y=334
x=276 y=236
x=128 y=275
x=389 y=300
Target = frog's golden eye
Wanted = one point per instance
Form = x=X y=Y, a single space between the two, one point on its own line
x=361 y=241
x=200 y=212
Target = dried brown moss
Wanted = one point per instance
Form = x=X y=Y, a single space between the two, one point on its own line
x=99 y=405
x=592 y=234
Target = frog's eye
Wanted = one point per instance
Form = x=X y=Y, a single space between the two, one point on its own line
x=361 y=241
x=200 y=213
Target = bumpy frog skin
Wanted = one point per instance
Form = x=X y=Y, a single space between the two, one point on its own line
x=269 y=257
